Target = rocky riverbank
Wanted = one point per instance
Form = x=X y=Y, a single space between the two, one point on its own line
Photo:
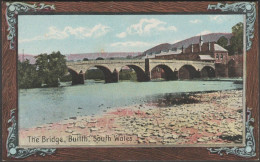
x=195 y=118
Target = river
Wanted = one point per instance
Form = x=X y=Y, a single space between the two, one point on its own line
x=47 y=105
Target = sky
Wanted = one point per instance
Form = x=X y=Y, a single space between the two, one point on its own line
x=71 y=34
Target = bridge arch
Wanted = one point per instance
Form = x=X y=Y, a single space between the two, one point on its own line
x=169 y=74
x=188 y=71
x=207 y=72
x=77 y=78
x=110 y=76
x=140 y=72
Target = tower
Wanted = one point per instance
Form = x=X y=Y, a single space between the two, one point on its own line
x=201 y=42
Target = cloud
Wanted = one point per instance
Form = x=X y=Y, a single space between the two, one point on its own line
x=145 y=27
x=130 y=44
x=218 y=18
x=195 y=21
x=204 y=32
x=121 y=35
x=78 y=32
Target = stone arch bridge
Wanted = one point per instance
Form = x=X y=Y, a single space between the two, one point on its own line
x=173 y=69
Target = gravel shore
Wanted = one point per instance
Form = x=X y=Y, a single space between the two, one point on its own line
x=196 y=118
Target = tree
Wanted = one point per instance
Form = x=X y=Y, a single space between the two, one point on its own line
x=85 y=59
x=51 y=68
x=222 y=41
x=99 y=58
x=237 y=39
x=129 y=57
x=28 y=75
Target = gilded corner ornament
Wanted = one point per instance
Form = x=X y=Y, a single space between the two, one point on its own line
x=14 y=8
x=248 y=151
x=13 y=150
x=247 y=8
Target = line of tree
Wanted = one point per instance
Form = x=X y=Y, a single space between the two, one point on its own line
x=236 y=41
x=46 y=72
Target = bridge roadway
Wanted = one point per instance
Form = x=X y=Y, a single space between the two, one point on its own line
x=143 y=68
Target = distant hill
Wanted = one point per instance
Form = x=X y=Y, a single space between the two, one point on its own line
x=212 y=37
x=105 y=55
x=31 y=58
x=91 y=56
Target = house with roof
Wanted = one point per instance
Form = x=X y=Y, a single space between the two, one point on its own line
x=209 y=52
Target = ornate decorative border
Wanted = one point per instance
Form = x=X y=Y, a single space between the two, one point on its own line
x=249 y=9
x=13 y=151
x=241 y=7
x=15 y=8
x=247 y=151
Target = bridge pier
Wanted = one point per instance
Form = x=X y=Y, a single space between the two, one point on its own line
x=78 y=78
x=147 y=74
x=112 y=77
x=171 y=75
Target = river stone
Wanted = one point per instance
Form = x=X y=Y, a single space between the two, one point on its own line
x=140 y=141
x=152 y=141
x=70 y=126
x=68 y=131
x=94 y=129
x=75 y=133
x=175 y=136
x=82 y=126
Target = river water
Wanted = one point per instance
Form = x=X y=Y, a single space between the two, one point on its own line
x=47 y=105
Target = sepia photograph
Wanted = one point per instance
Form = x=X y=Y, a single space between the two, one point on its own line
x=131 y=80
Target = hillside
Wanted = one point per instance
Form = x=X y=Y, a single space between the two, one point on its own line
x=212 y=37
x=91 y=56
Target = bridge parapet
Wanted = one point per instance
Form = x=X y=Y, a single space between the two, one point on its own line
x=117 y=65
x=111 y=65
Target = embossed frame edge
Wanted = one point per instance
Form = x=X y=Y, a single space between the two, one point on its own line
x=13 y=150
x=249 y=9
x=11 y=12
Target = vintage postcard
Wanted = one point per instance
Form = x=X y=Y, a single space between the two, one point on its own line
x=110 y=78
x=139 y=80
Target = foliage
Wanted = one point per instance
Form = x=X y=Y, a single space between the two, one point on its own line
x=28 y=75
x=85 y=59
x=127 y=75
x=95 y=74
x=100 y=58
x=223 y=41
x=51 y=68
x=129 y=57
x=66 y=78
x=236 y=41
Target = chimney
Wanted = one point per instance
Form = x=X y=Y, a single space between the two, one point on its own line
x=192 y=48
